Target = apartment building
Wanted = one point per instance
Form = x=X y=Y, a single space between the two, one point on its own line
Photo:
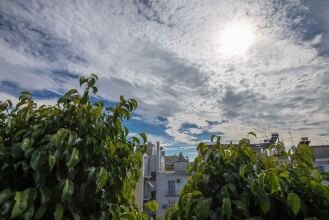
x=157 y=183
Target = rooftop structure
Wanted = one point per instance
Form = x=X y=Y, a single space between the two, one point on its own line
x=321 y=154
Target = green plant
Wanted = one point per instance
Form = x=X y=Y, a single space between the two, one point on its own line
x=71 y=160
x=233 y=182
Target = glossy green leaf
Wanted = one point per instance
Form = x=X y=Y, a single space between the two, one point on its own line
x=41 y=211
x=83 y=80
x=45 y=195
x=58 y=214
x=91 y=173
x=112 y=149
x=226 y=208
x=76 y=216
x=294 y=202
x=73 y=139
x=274 y=182
x=264 y=203
x=27 y=143
x=67 y=190
x=143 y=136
x=74 y=158
x=203 y=209
x=196 y=194
x=242 y=207
x=102 y=177
x=252 y=133
x=29 y=213
x=242 y=170
x=152 y=206
x=4 y=195
x=36 y=160
x=212 y=138
x=21 y=199
x=51 y=162
x=135 y=139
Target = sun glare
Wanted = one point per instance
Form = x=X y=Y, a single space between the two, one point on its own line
x=236 y=39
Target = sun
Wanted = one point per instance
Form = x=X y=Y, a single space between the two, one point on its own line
x=236 y=39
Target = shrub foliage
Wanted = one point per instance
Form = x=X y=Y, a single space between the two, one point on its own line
x=71 y=160
x=233 y=182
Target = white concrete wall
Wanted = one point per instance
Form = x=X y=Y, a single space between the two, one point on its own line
x=163 y=199
x=180 y=166
x=323 y=162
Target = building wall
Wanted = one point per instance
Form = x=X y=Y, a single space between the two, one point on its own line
x=164 y=200
x=139 y=190
x=322 y=164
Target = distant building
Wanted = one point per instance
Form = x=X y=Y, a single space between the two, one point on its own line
x=169 y=183
x=258 y=147
x=321 y=154
x=157 y=183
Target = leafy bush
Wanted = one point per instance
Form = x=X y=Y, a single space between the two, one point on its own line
x=72 y=160
x=232 y=182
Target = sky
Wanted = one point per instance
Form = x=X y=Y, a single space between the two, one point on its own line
x=196 y=68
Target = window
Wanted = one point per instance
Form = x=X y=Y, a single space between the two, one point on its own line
x=153 y=176
x=153 y=195
x=171 y=188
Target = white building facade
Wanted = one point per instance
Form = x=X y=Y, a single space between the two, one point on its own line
x=169 y=184
x=158 y=184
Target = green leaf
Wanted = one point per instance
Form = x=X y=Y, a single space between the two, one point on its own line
x=274 y=182
x=51 y=162
x=242 y=207
x=143 y=136
x=252 y=133
x=135 y=139
x=58 y=138
x=91 y=173
x=73 y=138
x=112 y=148
x=152 y=206
x=203 y=209
x=68 y=190
x=29 y=213
x=226 y=208
x=196 y=194
x=35 y=160
x=41 y=211
x=102 y=177
x=45 y=195
x=83 y=80
x=74 y=158
x=20 y=204
x=27 y=143
x=58 y=214
x=264 y=203
x=4 y=195
x=84 y=98
x=294 y=202
x=242 y=171
x=76 y=216
x=91 y=82
x=212 y=138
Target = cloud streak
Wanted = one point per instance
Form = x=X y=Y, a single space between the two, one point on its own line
x=168 y=55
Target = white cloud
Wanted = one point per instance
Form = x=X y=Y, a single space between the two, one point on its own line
x=167 y=55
